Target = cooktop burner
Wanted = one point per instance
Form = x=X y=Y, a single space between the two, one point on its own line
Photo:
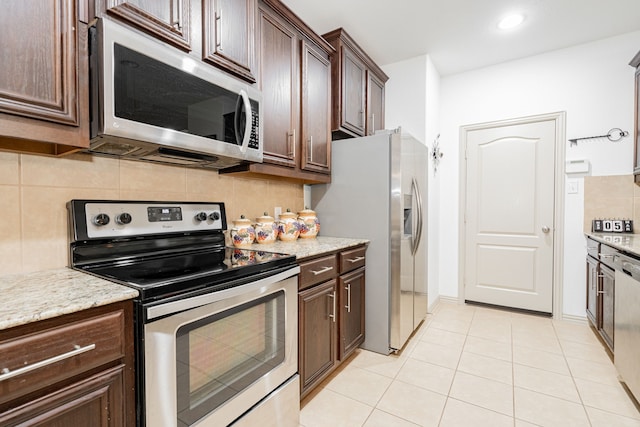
x=162 y=249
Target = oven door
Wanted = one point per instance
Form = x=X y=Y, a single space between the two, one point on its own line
x=211 y=358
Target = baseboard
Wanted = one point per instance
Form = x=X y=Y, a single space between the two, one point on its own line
x=449 y=300
x=574 y=318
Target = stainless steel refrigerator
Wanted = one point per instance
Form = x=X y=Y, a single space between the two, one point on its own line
x=378 y=192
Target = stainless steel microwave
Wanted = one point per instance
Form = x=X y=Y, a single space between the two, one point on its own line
x=152 y=102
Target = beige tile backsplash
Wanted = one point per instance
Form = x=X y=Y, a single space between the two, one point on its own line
x=613 y=196
x=34 y=191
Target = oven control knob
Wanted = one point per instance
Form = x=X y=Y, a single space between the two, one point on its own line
x=101 y=219
x=124 y=218
x=214 y=216
x=201 y=216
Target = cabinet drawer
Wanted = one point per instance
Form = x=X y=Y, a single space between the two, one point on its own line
x=607 y=254
x=317 y=271
x=40 y=359
x=352 y=259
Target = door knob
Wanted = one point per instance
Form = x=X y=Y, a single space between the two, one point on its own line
x=545 y=229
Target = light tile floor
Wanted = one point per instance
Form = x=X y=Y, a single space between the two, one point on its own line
x=476 y=366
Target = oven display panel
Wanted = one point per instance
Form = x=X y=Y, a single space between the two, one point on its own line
x=162 y=214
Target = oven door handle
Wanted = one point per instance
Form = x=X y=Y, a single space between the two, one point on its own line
x=177 y=306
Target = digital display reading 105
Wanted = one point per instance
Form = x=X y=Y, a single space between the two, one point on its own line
x=158 y=214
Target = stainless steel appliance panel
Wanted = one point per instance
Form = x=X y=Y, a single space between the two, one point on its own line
x=155 y=103
x=376 y=181
x=627 y=321
x=161 y=346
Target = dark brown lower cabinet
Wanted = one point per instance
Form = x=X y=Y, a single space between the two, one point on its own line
x=317 y=325
x=601 y=290
x=96 y=401
x=593 y=308
x=608 y=287
x=331 y=304
x=352 y=311
x=72 y=370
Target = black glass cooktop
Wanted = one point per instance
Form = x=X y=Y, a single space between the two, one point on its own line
x=164 y=276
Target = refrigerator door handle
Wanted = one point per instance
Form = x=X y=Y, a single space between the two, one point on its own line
x=418 y=236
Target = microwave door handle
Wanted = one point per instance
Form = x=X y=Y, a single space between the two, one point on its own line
x=243 y=100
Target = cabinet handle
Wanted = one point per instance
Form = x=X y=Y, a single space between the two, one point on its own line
x=6 y=373
x=348 y=306
x=218 y=28
x=361 y=118
x=333 y=315
x=292 y=144
x=601 y=292
x=322 y=270
x=177 y=23
x=373 y=123
x=310 y=156
x=607 y=256
x=356 y=259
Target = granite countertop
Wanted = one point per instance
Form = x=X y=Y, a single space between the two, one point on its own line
x=50 y=293
x=304 y=248
x=629 y=243
x=45 y=294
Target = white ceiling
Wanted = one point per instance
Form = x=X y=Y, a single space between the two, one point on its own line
x=461 y=35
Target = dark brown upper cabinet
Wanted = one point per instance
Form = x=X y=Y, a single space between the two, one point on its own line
x=316 y=110
x=294 y=75
x=167 y=20
x=375 y=104
x=44 y=93
x=229 y=36
x=357 y=88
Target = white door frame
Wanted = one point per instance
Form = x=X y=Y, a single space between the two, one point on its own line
x=558 y=216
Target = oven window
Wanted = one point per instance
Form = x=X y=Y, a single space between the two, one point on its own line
x=223 y=354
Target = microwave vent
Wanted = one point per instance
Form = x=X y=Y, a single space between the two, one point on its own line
x=115 y=148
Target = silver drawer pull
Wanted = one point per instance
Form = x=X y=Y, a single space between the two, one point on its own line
x=6 y=373
x=322 y=270
x=348 y=289
x=612 y=256
x=356 y=259
x=332 y=316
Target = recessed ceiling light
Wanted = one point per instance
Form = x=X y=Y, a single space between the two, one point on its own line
x=511 y=21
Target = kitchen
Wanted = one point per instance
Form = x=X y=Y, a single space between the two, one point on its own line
x=33 y=184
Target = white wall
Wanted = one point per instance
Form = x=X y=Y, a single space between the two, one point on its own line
x=412 y=102
x=592 y=83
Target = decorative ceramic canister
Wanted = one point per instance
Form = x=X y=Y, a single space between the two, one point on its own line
x=309 y=224
x=266 y=229
x=288 y=226
x=242 y=233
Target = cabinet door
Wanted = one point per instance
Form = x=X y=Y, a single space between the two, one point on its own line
x=279 y=85
x=317 y=311
x=353 y=92
x=375 y=103
x=352 y=288
x=608 y=290
x=96 y=401
x=316 y=110
x=44 y=77
x=229 y=35
x=592 y=291
x=167 y=20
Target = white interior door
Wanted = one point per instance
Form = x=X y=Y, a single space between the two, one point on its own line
x=509 y=214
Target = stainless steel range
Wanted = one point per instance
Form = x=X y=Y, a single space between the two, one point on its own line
x=216 y=327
